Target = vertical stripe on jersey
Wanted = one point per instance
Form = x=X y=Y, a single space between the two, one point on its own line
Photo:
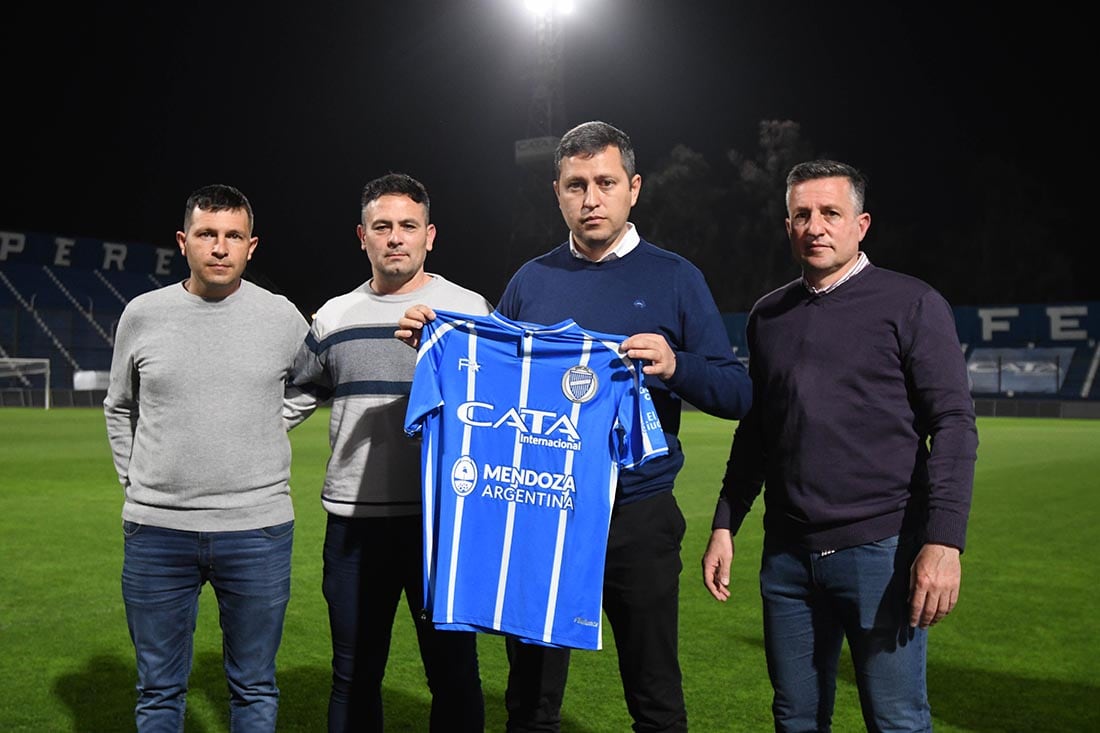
x=471 y=391
x=427 y=519
x=526 y=346
x=563 y=516
x=429 y=488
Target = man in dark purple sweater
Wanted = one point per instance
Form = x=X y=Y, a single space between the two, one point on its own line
x=862 y=434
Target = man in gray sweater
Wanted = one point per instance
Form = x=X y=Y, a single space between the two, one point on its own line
x=196 y=411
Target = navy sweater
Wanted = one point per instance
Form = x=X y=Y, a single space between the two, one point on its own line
x=862 y=424
x=650 y=290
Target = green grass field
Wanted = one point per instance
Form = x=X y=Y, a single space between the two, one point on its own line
x=1018 y=654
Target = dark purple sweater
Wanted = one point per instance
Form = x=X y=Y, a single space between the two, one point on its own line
x=862 y=424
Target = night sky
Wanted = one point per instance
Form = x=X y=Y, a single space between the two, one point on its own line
x=113 y=115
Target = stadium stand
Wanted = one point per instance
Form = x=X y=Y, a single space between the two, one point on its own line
x=1035 y=359
x=1023 y=360
x=61 y=298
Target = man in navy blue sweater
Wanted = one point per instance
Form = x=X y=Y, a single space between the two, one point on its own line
x=863 y=437
x=606 y=278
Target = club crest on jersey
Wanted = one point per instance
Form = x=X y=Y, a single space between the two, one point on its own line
x=463 y=476
x=579 y=384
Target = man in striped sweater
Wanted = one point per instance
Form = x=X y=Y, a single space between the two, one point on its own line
x=373 y=537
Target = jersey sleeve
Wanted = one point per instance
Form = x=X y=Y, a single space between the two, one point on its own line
x=641 y=437
x=425 y=395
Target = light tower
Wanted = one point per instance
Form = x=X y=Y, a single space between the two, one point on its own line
x=536 y=224
x=546 y=111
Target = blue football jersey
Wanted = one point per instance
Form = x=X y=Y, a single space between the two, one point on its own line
x=524 y=430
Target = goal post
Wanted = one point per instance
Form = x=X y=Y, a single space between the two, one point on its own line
x=25 y=376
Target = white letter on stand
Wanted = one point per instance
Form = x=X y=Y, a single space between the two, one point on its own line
x=1065 y=328
x=990 y=324
x=115 y=253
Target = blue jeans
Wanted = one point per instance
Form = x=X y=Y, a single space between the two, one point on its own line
x=812 y=601
x=368 y=563
x=163 y=572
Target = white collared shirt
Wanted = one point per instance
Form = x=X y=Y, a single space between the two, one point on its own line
x=861 y=262
x=622 y=249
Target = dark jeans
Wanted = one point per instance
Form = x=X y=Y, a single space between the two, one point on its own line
x=641 y=599
x=812 y=601
x=367 y=564
x=163 y=571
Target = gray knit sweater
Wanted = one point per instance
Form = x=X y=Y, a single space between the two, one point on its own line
x=195 y=408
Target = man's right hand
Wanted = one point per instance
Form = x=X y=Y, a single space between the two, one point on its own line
x=411 y=325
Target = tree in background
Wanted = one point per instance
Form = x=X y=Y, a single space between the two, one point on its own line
x=728 y=220
x=677 y=209
x=759 y=187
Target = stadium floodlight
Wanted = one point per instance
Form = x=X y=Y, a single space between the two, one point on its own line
x=546 y=112
x=549 y=7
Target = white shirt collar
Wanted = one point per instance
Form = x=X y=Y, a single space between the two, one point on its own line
x=627 y=244
x=861 y=262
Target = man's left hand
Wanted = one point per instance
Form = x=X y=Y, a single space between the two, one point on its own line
x=653 y=349
x=933 y=584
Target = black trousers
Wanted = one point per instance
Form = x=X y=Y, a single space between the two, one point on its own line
x=368 y=563
x=641 y=599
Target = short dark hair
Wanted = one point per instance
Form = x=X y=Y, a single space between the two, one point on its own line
x=815 y=169
x=588 y=139
x=396 y=184
x=216 y=197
